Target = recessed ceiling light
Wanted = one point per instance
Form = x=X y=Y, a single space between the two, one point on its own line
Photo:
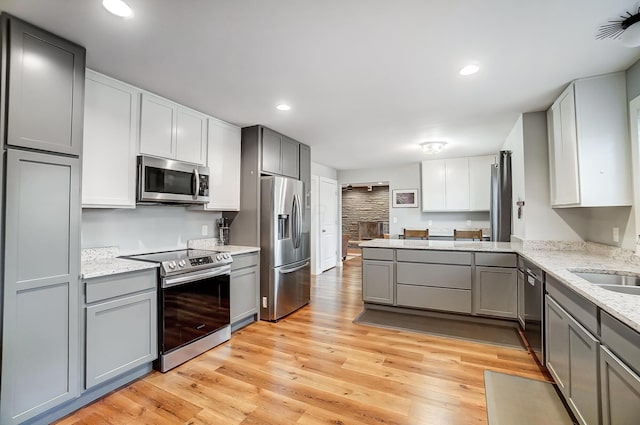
x=118 y=8
x=283 y=107
x=469 y=70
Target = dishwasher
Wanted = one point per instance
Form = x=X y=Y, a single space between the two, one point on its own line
x=531 y=280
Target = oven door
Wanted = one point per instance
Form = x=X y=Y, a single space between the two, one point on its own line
x=164 y=180
x=192 y=306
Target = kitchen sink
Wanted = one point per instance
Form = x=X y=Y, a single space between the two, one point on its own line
x=625 y=284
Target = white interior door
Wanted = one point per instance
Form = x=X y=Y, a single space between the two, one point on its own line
x=328 y=223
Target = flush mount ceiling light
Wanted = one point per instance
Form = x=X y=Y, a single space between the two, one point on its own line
x=283 y=107
x=469 y=70
x=432 y=147
x=627 y=28
x=118 y=8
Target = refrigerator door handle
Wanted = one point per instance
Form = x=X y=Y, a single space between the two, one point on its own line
x=299 y=221
x=295 y=269
x=295 y=225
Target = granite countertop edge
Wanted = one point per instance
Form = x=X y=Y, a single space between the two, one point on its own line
x=559 y=263
x=100 y=262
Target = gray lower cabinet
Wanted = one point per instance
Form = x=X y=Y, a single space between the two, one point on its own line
x=495 y=292
x=620 y=391
x=121 y=325
x=45 y=75
x=245 y=286
x=377 y=281
x=521 y=299
x=40 y=327
x=572 y=359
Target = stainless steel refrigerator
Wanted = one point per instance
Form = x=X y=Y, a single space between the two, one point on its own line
x=285 y=267
x=501 y=198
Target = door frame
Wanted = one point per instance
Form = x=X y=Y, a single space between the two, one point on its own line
x=316 y=225
x=634 y=129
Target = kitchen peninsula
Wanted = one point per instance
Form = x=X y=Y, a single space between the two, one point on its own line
x=590 y=335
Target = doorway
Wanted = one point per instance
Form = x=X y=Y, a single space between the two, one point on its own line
x=326 y=224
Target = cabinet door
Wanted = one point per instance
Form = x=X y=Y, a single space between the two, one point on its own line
x=377 y=281
x=45 y=86
x=305 y=177
x=191 y=136
x=290 y=157
x=433 y=181
x=271 y=151
x=110 y=140
x=565 y=141
x=121 y=334
x=620 y=391
x=158 y=126
x=224 y=166
x=480 y=182
x=40 y=366
x=583 y=374
x=495 y=292
x=557 y=344
x=244 y=293
x=457 y=184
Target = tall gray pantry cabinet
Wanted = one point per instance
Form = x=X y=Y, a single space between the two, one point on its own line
x=41 y=112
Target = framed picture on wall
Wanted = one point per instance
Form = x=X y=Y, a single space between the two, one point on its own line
x=405 y=198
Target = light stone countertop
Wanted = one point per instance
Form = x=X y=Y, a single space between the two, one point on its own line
x=98 y=262
x=558 y=259
x=212 y=245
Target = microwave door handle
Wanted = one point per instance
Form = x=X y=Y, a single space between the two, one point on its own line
x=196 y=180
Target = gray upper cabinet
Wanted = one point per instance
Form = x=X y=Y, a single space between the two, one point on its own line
x=40 y=351
x=45 y=86
x=280 y=154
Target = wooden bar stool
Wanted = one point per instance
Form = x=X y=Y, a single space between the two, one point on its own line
x=467 y=234
x=415 y=234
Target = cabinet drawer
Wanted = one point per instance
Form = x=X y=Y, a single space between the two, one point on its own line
x=377 y=254
x=428 y=256
x=585 y=312
x=440 y=275
x=458 y=300
x=102 y=288
x=621 y=339
x=496 y=259
x=245 y=260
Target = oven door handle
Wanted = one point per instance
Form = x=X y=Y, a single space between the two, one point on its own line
x=295 y=269
x=192 y=277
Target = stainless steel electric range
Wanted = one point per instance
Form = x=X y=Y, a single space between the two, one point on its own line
x=193 y=303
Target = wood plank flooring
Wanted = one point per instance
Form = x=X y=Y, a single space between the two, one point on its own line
x=317 y=367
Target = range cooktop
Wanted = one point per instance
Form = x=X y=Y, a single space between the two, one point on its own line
x=185 y=260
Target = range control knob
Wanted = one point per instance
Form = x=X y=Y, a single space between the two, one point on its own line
x=172 y=265
x=218 y=257
x=227 y=255
x=182 y=263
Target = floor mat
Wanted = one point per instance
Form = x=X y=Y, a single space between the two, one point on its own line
x=504 y=336
x=516 y=400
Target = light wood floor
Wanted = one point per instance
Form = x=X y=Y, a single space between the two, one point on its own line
x=317 y=367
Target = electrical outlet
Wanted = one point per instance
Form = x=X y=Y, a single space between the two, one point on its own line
x=264 y=302
x=395 y=220
x=430 y=222
x=468 y=222
x=616 y=234
x=205 y=230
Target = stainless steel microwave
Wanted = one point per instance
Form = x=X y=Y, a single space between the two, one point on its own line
x=168 y=181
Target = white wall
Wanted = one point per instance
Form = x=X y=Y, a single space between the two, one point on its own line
x=515 y=144
x=323 y=171
x=408 y=177
x=146 y=228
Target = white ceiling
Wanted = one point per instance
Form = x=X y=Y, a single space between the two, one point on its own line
x=367 y=79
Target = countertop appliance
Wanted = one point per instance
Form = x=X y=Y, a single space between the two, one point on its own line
x=285 y=259
x=501 y=197
x=193 y=303
x=533 y=303
x=168 y=181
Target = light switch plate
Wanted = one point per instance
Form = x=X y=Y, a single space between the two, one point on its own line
x=616 y=234
x=205 y=230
